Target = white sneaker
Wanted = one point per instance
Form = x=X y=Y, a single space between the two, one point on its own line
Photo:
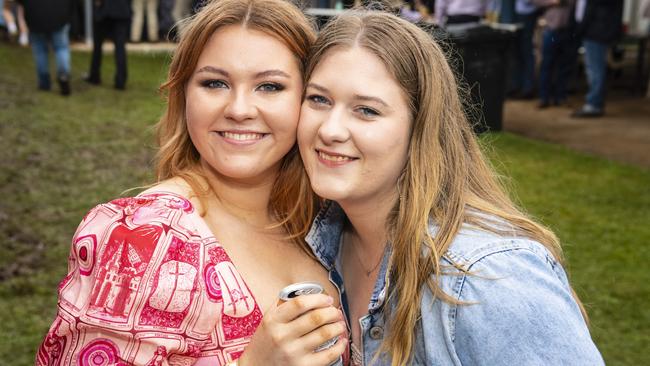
x=23 y=39
x=11 y=27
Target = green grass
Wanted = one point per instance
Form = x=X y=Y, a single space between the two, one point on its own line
x=61 y=156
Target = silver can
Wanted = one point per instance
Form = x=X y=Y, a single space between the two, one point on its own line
x=306 y=288
x=300 y=288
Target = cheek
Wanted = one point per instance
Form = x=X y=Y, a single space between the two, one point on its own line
x=195 y=108
x=307 y=127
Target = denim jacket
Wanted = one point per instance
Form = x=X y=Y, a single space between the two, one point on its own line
x=520 y=309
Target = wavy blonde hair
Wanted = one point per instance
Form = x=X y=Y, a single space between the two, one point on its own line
x=292 y=200
x=446 y=178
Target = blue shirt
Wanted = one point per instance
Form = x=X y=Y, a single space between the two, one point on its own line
x=521 y=311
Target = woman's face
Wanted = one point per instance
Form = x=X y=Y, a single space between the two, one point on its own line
x=354 y=127
x=242 y=104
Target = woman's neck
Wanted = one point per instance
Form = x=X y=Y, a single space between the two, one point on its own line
x=368 y=224
x=247 y=201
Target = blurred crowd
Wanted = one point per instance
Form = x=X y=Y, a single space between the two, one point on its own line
x=563 y=29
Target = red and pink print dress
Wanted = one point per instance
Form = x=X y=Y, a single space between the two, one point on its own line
x=149 y=284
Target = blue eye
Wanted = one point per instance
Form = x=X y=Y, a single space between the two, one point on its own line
x=317 y=99
x=214 y=84
x=271 y=87
x=368 y=112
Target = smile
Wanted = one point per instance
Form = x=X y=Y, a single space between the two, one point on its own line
x=242 y=136
x=333 y=159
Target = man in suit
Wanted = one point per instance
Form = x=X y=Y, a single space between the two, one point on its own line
x=110 y=19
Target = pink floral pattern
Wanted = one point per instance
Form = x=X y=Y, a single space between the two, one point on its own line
x=148 y=284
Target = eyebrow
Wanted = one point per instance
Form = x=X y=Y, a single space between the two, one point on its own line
x=214 y=70
x=259 y=75
x=356 y=96
x=371 y=99
x=275 y=72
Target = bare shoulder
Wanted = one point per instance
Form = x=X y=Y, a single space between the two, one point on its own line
x=174 y=185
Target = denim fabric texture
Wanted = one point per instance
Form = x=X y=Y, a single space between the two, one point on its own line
x=558 y=56
x=596 y=69
x=519 y=309
x=40 y=43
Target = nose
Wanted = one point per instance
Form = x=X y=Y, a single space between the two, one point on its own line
x=333 y=129
x=240 y=106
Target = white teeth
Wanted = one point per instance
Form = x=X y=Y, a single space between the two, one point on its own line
x=337 y=158
x=242 y=136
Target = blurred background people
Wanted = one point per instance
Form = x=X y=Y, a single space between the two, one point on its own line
x=165 y=18
x=13 y=14
x=182 y=9
x=599 y=23
x=506 y=11
x=459 y=11
x=110 y=19
x=139 y=7
x=49 y=22
x=523 y=79
x=558 y=51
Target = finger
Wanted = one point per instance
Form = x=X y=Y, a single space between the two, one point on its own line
x=315 y=319
x=297 y=306
x=331 y=355
x=318 y=337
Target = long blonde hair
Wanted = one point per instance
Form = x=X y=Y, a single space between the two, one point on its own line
x=292 y=200
x=446 y=178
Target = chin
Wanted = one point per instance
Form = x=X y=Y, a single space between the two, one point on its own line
x=335 y=191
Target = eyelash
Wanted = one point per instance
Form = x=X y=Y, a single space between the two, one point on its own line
x=211 y=84
x=220 y=84
x=368 y=112
x=318 y=99
x=276 y=87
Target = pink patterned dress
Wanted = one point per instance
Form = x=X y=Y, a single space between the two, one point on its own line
x=149 y=284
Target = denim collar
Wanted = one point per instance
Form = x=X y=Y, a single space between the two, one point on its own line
x=324 y=238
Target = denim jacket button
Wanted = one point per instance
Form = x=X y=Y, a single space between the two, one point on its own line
x=376 y=332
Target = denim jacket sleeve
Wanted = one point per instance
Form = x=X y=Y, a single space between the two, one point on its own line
x=518 y=311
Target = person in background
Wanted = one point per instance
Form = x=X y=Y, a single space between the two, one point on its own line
x=558 y=51
x=182 y=9
x=523 y=78
x=110 y=19
x=507 y=11
x=165 y=18
x=438 y=266
x=459 y=11
x=14 y=16
x=137 y=21
x=599 y=24
x=3 y=22
x=49 y=22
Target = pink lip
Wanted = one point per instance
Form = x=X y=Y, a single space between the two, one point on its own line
x=241 y=137
x=333 y=163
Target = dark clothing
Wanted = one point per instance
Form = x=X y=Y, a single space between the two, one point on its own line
x=112 y=9
x=46 y=16
x=118 y=30
x=165 y=18
x=602 y=21
x=558 y=58
x=110 y=20
x=462 y=18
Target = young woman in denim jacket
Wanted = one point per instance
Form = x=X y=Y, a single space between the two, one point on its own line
x=436 y=265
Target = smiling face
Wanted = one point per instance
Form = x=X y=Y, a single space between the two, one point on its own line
x=354 y=128
x=242 y=104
